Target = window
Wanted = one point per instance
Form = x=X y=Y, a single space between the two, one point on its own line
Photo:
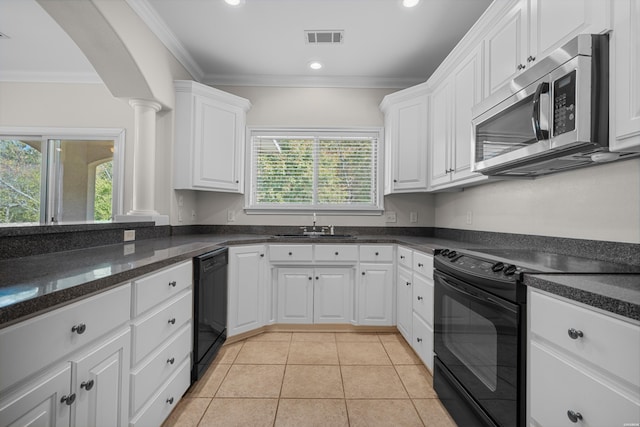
x=60 y=178
x=325 y=170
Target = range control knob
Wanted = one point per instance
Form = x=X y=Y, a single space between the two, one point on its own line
x=498 y=266
x=444 y=252
x=452 y=254
x=509 y=270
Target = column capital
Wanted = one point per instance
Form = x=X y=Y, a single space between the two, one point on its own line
x=134 y=102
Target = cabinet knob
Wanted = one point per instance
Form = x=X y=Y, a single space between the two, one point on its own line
x=310 y=278
x=521 y=66
x=575 y=334
x=377 y=253
x=171 y=360
x=401 y=256
x=408 y=283
x=531 y=58
x=420 y=298
x=261 y=255
x=237 y=181
x=68 y=399
x=337 y=253
x=290 y=253
x=87 y=385
x=173 y=283
x=317 y=278
x=419 y=339
x=79 y=328
x=170 y=401
x=395 y=180
x=574 y=416
x=420 y=264
x=172 y=321
x=363 y=273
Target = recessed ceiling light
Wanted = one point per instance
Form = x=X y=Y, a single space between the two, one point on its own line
x=315 y=65
x=234 y=2
x=410 y=3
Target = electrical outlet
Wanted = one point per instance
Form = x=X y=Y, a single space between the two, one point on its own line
x=193 y=214
x=231 y=215
x=390 y=216
x=129 y=235
x=413 y=217
x=179 y=215
x=180 y=201
x=469 y=217
x=129 y=248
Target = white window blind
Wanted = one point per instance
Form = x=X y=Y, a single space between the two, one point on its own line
x=315 y=170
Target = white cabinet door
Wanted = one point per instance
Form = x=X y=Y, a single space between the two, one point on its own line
x=295 y=295
x=409 y=146
x=625 y=84
x=375 y=294
x=210 y=134
x=404 y=306
x=467 y=92
x=102 y=383
x=422 y=298
x=422 y=341
x=39 y=403
x=505 y=48
x=332 y=295
x=553 y=23
x=440 y=133
x=246 y=288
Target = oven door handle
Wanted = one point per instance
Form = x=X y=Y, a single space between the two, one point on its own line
x=481 y=298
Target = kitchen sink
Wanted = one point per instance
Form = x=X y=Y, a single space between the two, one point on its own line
x=315 y=236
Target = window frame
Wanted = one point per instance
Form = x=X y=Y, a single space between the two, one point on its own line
x=49 y=167
x=312 y=133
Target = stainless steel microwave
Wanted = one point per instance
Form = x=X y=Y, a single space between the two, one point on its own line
x=551 y=117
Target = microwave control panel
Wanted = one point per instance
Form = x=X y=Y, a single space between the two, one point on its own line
x=564 y=101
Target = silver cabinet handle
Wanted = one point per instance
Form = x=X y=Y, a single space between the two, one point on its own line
x=173 y=283
x=420 y=298
x=419 y=339
x=171 y=360
x=68 y=399
x=172 y=321
x=170 y=401
x=574 y=334
x=420 y=264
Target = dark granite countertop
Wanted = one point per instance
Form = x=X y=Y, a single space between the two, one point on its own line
x=615 y=293
x=32 y=285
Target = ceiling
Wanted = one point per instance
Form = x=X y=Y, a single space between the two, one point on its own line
x=260 y=42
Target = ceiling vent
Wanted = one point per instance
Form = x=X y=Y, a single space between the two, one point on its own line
x=324 y=36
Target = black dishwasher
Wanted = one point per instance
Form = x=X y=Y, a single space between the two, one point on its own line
x=209 y=308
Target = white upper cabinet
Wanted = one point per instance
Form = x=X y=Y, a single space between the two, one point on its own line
x=532 y=29
x=451 y=129
x=625 y=73
x=405 y=117
x=210 y=135
x=505 y=47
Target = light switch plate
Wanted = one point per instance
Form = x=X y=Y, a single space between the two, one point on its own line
x=413 y=216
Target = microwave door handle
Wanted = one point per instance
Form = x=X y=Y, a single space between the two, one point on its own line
x=540 y=133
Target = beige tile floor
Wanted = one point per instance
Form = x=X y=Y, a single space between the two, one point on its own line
x=314 y=379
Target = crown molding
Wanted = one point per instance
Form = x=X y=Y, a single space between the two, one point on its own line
x=309 y=81
x=157 y=25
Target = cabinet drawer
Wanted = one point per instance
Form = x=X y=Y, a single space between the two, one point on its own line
x=374 y=253
x=336 y=253
x=607 y=343
x=423 y=341
x=290 y=253
x=155 y=288
x=557 y=387
x=166 y=399
x=33 y=344
x=146 y=379
x=153 y=329
x=423 y=298
x=423 y=264
x=405 y=257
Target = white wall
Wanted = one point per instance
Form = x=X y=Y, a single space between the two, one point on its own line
x=597 y=203
x=311 y=107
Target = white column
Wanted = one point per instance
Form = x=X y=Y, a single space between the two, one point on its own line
x=144 y=157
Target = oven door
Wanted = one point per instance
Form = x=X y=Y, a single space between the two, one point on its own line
x=476 y=339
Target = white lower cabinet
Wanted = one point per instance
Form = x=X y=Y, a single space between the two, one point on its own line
x=582 y=365
x=314 y=295
x=422 y=340
x=38 y=403
x=375 y=294
x=101 y=383
x=80 y=365
x=246 y=287
x=404 y=293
